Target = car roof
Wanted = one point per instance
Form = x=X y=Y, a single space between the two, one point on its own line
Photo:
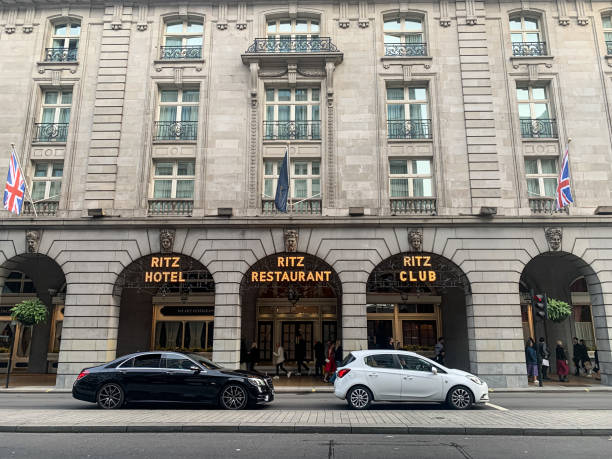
x=383 y=351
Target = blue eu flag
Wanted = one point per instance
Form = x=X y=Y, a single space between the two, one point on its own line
x=282 y=187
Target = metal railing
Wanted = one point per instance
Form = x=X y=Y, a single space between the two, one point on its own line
x=609 y=48
x=538 y=128
x=61 y=54
x=44 y=208
x=292 y=130
x=545 y=205
x=50 y=132
x=405 y=49
x=529 y=48
x=180 y=52
x=292 y=45
x=170 y=207
x=176 y=130
x=413 y=206
x=301 y=207
x=409 y=129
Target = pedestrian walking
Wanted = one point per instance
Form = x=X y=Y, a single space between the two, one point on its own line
x=587 y=366
x=577 y=354
x=337 y=359
x=440 y=350
x=252 y=357
x=300 y=354
x=543 y=357
x=562 y=363
x=531 y=358
x=279 y=359
x=330 y=363
x=319 y=351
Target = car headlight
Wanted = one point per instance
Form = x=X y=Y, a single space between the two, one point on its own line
x=257 y=382
x=475 y=379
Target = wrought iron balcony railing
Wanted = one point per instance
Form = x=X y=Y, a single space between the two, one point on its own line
x=413 y=206
x=44 y=208
x=180 y=52
x=409 y=129
x=292 y=130
x=529 y=48
x=538 y=128
x=405 y=49
x=292 y=45
x=176 y=130
x=301 y=207
x=61 y=54
x=545 y=205
x=180 y=207
x=609 y=48
x=50 y=132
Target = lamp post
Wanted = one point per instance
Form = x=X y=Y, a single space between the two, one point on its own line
x=11 y=330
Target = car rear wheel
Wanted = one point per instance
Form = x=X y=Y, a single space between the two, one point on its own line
x=459 y=398
x=359 y=398
x=110 y=396
x=233 y=397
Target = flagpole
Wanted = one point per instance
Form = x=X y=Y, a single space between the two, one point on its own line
x=25 y=179
x=289 y=175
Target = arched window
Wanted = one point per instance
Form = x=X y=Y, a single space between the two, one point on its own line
x=182 y=39
x=404 y=36
x=527 y=36
x=293 y=35
x=64 y=41
x=17 y=282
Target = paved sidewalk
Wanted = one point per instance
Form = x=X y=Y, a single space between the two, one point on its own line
x=472 y=422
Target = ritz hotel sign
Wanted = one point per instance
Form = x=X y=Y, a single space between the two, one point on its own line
x=170 y=270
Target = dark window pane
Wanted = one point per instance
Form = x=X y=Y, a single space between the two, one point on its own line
x=147 y=361
x=414 y=363
x=176 y=362
x=381 y=361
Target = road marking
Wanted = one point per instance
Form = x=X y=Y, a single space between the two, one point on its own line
x=497 y=407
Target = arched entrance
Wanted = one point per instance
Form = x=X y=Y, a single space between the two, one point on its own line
x=414 y=298
x=36 y=348
x=285 y=294
x=566 y=277
x=167 y=303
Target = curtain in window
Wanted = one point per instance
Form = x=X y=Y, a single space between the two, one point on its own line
x=414 y=38
x=54 y=189
x=550 y=187
x=533 y=188
x=38 y=190
x=184 y=189
x=48 y=115
x=196 y=329
x=300 y=188
x=399 y=188
x=173 y=332
x=162 y=189
x=398 y=167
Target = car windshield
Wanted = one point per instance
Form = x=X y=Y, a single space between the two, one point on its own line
x=204 y=362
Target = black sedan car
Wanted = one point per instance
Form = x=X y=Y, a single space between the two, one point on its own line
x=170 y=377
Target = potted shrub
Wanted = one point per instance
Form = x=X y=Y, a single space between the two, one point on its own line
x=558 y=310
x=29 y=312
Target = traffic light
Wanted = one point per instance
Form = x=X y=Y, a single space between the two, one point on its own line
x=540 y=306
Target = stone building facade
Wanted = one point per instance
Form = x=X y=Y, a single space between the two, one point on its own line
x=426 y=128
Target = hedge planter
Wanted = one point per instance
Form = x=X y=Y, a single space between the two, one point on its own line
x=558 y=310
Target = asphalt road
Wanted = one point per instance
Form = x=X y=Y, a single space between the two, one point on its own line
x=332 y=446
x=327 y=401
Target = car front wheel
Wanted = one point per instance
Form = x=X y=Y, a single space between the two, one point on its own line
x=459 y=398
x=359 y=398
x=110 y=396
x=233 y=397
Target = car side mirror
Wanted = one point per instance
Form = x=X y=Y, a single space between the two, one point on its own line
x=434 y=370
x=195 y=368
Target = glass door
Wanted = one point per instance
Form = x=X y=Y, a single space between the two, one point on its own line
x=290 y=332
x=265 y=340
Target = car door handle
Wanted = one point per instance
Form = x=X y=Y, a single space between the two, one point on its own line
x=372 y=374
x=123 y=372
x=408 y=377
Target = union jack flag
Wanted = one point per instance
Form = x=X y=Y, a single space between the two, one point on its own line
x=14 y=191
x=564 y=193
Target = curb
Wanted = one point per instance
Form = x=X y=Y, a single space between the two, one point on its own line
x=309 y=429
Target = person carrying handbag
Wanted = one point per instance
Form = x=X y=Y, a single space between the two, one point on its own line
x=543 y=356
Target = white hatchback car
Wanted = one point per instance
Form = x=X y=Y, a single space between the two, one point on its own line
x=402 y=376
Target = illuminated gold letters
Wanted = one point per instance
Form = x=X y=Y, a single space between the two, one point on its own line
x=173 y=276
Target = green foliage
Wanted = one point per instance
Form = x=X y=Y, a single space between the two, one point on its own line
x=558 y=310
x=30 y=312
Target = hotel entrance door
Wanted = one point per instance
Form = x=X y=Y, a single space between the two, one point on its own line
x=290 y=332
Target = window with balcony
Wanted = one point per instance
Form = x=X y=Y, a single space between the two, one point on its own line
x=46 y=185
x=527 y=37
x=607 y=29
x=177 y=115
x=542 y=175
x=54 y=116
x=182 y=40
x=293 y=35
x=64 y=42
x=172 y=187
x=411 y=186
x=404 y=37
x=305 y=192
x=535 y=114
x=407 y=113
x=292 y=114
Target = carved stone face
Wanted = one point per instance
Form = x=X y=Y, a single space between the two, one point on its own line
x=291 y=240
x=416 y=240
x=32 y=240
x=554 y=237
x=166 y=240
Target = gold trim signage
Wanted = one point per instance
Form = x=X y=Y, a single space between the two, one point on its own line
x=417 y=275
x=171 y=273
x=291 y=275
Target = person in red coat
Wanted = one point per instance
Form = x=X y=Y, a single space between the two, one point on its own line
x=330 y=362
x=562 y=364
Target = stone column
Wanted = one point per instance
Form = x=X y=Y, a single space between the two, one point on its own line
x=226 y=341
x=354 y=316
x=600 y=288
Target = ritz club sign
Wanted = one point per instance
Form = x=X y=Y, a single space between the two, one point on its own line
x=417 y=275
x=168 y=270
x=293 y=275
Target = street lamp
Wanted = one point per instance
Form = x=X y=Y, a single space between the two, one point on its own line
x=293 y=296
